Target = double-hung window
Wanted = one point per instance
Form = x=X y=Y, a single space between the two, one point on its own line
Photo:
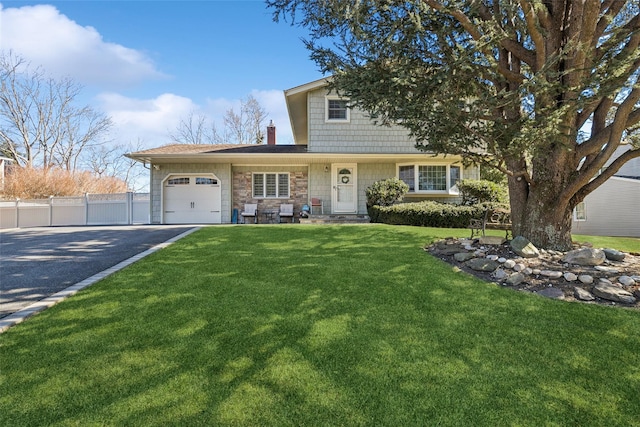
x=580 y=212
x=430 y=178
x=270 y=185
x=336 y=110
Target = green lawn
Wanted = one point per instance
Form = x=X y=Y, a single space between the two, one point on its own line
x=317 y=326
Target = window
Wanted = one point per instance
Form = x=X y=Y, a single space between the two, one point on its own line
x=580 y=212
x=206 y=181
x=407 y=174
x=454 y=178
x=274 y=185
x=430 y=178
x=336 y=110
x=178 y=181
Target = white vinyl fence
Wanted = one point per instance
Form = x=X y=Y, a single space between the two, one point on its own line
x=92 y=209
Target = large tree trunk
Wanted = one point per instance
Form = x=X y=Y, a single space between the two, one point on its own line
x=547 y=226
x=539 y=211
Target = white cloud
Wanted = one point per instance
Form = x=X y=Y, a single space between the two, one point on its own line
x=49 y=39
x=148 y=120
x=151 y=120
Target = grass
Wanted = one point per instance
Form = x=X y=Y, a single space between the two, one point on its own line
x=316 y=326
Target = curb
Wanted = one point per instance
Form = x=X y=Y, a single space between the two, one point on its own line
x=21 y=315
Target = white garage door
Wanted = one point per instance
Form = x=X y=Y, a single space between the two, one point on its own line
x=192 y=199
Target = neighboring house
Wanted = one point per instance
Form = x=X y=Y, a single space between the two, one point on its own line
x=613 y=209
x=5 y=164
x=337 y=153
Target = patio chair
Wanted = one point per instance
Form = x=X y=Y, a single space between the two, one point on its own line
x=250 y=211
x=286 y=211
x=315 y=203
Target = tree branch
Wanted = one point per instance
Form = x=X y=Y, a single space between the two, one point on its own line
x=608 y=172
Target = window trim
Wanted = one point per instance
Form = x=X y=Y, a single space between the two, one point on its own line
x=452 y=188
x=264 y=195
x=326 y=110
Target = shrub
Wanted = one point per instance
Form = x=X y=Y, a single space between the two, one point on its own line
x=31 y=183
x=386 y=192
x=474 y=191
x=429 y=214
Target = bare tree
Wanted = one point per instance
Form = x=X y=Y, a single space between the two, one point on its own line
x=40 y=123
x=243 y=127
x=246 y=127
x=193 y=130
x=110 y=161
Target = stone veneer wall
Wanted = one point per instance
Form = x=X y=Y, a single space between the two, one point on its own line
x=242 y=188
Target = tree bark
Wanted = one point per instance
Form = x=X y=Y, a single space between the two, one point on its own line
x=539 y=211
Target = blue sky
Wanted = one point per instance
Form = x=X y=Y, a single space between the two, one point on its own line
x=148 y=64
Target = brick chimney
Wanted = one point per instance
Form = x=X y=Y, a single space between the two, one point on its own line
x=271 y=133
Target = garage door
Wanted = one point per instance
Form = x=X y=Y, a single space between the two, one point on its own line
x=192 y=199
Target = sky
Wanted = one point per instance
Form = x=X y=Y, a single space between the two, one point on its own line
x=149 y=64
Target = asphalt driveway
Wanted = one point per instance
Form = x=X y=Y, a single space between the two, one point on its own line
x=38 y=262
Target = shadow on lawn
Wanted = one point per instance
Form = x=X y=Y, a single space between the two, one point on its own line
x=317 y=326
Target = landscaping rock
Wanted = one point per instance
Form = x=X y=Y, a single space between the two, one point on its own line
x=553 y=293
x=491 y=240
x=582 y=294
x=463 y=256
x=515 y=279
x=448 y=249
x=509 y=263
x=626 y=281
x=584 y=256
x=500 y=274
x=482 y=264
x=613 y=254
x=586 y=279
x=519 y=267
x=524 y=247
x=551 y=273
x=605 y=269
x=574 y=280
x=613 y=293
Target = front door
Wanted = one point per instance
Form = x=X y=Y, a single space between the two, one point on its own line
x=344 y=198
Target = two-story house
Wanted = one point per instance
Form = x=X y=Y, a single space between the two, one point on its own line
x=337 y=153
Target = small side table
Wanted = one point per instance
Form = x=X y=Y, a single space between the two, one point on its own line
x=268 y=215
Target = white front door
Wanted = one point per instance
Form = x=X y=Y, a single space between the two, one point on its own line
x=344 y=198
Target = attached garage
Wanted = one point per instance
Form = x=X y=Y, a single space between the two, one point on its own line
x=191 y=199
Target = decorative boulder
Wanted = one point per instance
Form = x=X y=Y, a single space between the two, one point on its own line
x=613 y=254
x=613 y=293
x=515 y=279
x=584 y=256
x=463 y=256
x=582 y=294
x=523 y=247
x=482 y=264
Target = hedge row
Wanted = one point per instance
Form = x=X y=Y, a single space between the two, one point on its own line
x=429 y=214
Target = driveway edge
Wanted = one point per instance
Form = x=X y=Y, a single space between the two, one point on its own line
x=22 y=314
